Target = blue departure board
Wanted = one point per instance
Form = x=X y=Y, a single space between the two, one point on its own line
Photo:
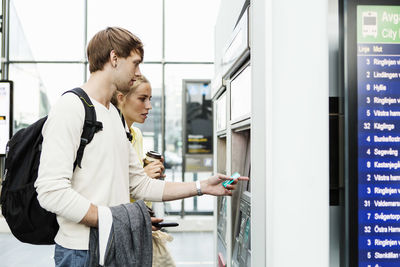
x=378 y=97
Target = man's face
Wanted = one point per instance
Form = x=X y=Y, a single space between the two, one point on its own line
x=127 y=70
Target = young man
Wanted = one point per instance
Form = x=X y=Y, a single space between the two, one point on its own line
x=110 y=171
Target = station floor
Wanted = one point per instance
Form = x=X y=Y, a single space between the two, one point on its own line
x=189 y=249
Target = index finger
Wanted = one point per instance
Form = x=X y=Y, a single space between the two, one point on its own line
x=156 y=220
x=223 y=177
x=154 y=163
x=234 y=179
x=235 y=175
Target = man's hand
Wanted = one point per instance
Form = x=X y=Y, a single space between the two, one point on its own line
x=213 y=185
x=91 y=218
x=155 y=220
x=155 y=170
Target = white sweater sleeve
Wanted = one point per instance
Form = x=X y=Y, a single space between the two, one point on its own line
x=61 y=139
x=141 y=185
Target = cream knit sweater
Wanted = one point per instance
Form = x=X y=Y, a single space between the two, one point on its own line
x=110 y=172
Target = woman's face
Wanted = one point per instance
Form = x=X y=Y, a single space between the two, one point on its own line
x=136 y=106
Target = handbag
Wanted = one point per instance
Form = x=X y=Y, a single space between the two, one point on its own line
x=161 y=255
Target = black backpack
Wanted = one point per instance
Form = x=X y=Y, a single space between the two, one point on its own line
x=28 y=221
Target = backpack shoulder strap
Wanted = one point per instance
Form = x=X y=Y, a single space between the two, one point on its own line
x=90 y=126
x=128 y=134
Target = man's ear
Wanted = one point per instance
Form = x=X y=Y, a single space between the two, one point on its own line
x=120 y=97
x=113 y=58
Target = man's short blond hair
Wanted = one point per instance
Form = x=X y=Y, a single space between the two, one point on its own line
x=122 y=41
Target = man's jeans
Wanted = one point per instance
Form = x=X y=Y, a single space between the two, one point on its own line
x=65 y=257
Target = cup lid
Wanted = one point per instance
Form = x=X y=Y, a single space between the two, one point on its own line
x=153 y=154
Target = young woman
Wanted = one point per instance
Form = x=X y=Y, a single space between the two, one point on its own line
x=134 y=105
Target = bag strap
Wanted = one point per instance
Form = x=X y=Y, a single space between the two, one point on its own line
x=90 y=126
x=128 y=134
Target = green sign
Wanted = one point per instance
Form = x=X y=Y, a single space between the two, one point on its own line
x=378 y=24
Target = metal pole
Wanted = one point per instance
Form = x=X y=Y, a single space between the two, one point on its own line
x=5 y=26
x=85 y=21
x=163 y=81
x=162 y=85
x=184 y=92
x=2 y=163
x=195 y=198
x=5 y=39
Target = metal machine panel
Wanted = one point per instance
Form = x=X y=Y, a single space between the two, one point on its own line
x=241 y=199
x=237 y=47
x=242 y=250
x=241 y=95
x=221 y=112
x=222 y=223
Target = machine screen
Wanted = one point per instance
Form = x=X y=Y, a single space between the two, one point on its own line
x=378 y=96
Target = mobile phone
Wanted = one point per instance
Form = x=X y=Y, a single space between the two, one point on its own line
x=165 y=224
x=234 y=176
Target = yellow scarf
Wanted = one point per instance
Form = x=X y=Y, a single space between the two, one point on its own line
x=138 y=146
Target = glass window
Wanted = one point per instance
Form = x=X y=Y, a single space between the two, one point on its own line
x=142 y=18
x=38 y=86
x=39 y=35
x=46 y=30
x=203 y=204
x=174 y=76
x=189 y=30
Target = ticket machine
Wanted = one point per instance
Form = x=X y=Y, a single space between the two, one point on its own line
x=232 y=125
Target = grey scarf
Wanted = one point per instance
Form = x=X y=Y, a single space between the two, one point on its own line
x=130 y=241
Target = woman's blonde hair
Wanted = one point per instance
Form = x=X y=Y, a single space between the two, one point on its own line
x=139 y=80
